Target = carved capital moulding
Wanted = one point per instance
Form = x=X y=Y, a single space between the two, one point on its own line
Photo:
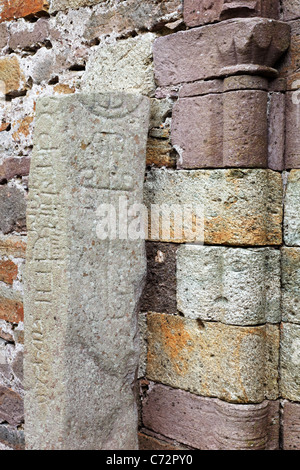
x=198 y=12
x=245 y=45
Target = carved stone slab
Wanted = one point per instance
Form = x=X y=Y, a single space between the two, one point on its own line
x=82 y=292
x=244 y=45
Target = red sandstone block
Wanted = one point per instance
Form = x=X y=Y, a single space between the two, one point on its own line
x=12 y=167
x=8 y=271
x=227 y=48
x=292 y=143
x=11 y=406
x=291 y=426
x=209 y=423
x=11 y=310
x=198 y=12
x=12 y=9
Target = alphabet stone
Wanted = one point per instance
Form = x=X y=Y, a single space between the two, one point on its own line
x=82 y=293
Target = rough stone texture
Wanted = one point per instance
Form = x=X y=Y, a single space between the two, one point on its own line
x=291 y=284
x=291 y=426
x=82 y=292
x=198 y=12
x=12 y=245
x=147 y=442
x=11 y=406
x=276 y=131
x=291 y=9
x=197 y=131
x=21 y=8
x=290 y=66
x=235 y=364
x=4 y=35
x=13 y=167
x=228 y=130
x=245 y=141
x=290 y=362
x=11 y=75
x=11 y=306
x=132 y=16
x=65 y=4
x=233 y=285
x=160 y=289
x=12 y=438
x=291 y=210
x=13 y=209
x=235 y=46
x=292 y=149
x=241 y=207
x=29 y=39
x=210 y=424
x=8 y=271
x=123 y=66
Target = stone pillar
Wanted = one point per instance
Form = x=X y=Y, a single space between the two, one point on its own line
x=82 y=292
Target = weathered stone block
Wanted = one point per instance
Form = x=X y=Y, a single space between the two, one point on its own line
x=8 y=271
x=11 y=307
x=291 y=426
x=291 y=284
x=235 y=364
x=56 y=5
x=160 y=289
x=232 y=285
x=240 y=207
x=197 y=131
x=12 y=245
x=222 y=130
x=12 y=167
x=198 y=12
x=235 y=46
x=291 y=210
x=276 y=131
x=83 y=289
x=11 y=437
x=123 y=66
x=245 y=141
x=290 y=9
x=131 y=15
x=290 y=66
x=292 y=142
x=4 y=35
x=224 y=426
x=11 y=74
x=25 y=37
x=290 y=362
x=11 y=406
x=13 y=209
x=21 y=8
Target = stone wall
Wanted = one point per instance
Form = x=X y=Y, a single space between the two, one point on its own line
x=220 y=323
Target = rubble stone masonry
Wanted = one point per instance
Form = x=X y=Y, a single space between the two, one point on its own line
x=220 y=320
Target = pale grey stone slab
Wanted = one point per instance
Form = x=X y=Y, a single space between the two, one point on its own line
x=292 y=210
x=82 y=293
x=238 y=286
x=124 y=66
x=290 y=362
x=290 y=284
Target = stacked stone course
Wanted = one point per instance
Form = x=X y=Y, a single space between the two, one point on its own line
x=220 y=323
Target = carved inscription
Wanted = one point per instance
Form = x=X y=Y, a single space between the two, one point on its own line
x=82 y=293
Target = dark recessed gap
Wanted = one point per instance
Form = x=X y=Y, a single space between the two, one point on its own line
x=77 y=67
